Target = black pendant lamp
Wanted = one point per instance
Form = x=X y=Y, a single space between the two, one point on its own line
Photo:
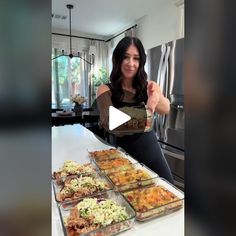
x=69 y=6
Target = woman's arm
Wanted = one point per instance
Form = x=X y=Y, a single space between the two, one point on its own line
x=103 y=102
x=102 y=89
x=156 y=100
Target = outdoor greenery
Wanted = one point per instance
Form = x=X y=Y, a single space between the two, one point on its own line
x=101 y=78
x=62 y=65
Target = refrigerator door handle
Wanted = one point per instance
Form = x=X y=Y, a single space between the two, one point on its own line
x=163 y=51
x=164 y=80
x=163 y=83
x=172 y=67
x=159 y=76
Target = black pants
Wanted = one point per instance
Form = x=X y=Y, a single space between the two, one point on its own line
x=146 y=149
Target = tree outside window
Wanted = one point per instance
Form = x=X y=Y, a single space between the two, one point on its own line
x=100 y=78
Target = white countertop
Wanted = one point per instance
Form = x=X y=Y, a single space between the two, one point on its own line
x=70 y=142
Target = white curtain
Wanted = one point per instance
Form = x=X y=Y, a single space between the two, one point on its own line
x=99 y=53
x=86 y=76
x=99 y=49
x=110 y=48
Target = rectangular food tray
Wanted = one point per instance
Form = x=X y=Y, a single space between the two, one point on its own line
x=111 y=229
x=156 y=211
x=59 y=180
x=95 y=175
x=128 y=175
x=111 y=163
x=105 y=153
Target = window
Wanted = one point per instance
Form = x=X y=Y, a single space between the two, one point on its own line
x=66 y=79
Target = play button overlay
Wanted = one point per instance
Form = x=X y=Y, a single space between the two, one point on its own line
x=117 y=118
x=125 y=120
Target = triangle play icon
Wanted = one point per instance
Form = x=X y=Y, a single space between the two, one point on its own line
x=116 y=118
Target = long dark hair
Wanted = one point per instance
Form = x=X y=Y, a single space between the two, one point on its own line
x=140 y=79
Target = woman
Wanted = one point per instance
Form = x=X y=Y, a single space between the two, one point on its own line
x=129 y=87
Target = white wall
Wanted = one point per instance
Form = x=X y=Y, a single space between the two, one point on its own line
x=164 y=23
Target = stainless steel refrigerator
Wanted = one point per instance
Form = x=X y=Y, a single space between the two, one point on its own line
x=165 y=66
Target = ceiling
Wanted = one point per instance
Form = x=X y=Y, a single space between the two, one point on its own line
x=103 y=18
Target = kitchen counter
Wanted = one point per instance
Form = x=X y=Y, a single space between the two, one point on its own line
x=70 y=142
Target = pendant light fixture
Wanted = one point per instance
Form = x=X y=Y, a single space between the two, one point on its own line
x=69 y=6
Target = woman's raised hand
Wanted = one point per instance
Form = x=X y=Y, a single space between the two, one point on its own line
x=154 y=95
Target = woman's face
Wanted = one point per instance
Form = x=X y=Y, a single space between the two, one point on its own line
x=130 y=63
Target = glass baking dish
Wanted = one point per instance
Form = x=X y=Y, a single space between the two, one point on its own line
x=72 y=169
x=118 y=162
x=72 y=217
x=142 y=120
x=102 y=154
x=153 y=201
x=132 y=176
x=78 y=187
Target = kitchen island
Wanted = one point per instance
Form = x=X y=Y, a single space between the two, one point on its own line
x=71 y=142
